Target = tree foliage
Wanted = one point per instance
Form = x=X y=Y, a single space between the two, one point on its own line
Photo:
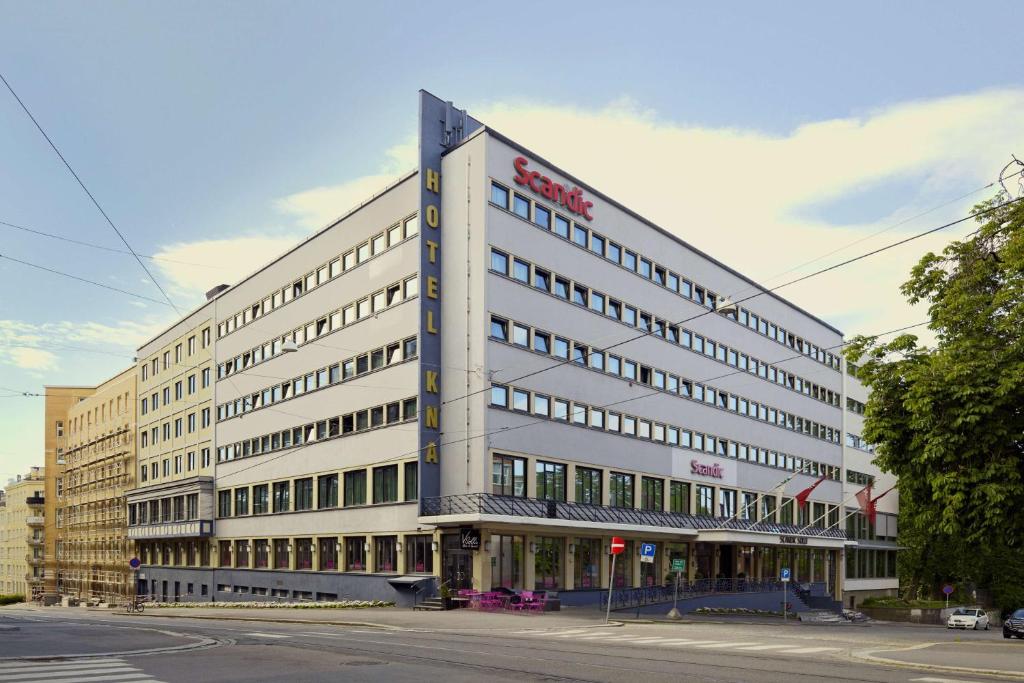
x=948 y=420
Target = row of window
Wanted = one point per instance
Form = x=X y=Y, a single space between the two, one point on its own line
x=174 y=429
x=343 y=425
x=508 y=478
x=376 y=245
x=184 y=508
x=581 y=415
x=180 y=388
x=350 y=368
x=862 y=563
x=546 y=281
x=322 y=553
x=153 y=366
x=547 y=343
x=182 y=463
x=595 y=243
x=855 y=406
x=357 y=310
x=859 y=478
x=348 y=489
x=858 y=442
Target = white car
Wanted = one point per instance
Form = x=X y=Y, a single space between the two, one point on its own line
x=964 y=617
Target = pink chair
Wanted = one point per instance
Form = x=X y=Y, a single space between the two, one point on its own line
x=490 y=601
x=537 y=602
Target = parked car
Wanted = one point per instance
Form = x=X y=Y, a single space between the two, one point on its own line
x=968 y=617
x=1013 y=626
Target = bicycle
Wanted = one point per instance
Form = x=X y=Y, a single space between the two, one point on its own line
x=136 y=605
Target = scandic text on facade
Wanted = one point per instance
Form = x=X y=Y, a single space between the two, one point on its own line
x=545 y=187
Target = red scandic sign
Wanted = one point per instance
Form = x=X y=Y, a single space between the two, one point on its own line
x=715 y=470
x=618 y=545
x=544 y=186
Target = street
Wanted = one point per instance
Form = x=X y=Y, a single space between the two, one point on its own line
x=85 y=645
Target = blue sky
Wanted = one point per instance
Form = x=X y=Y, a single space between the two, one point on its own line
x=218 y=133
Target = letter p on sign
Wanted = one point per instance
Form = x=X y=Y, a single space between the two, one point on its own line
x=618 y=545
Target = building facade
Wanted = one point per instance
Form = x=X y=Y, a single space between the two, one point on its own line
x=91 y=553
x=170 y=511
x=22 y=524
x=482 y=374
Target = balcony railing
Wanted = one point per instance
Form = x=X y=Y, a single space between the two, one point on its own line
x=35 y=520
x=515 y=506
x=33 y=560
x=33 y=541
x=35 y=500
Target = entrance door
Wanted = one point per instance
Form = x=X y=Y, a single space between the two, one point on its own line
x=458 y=563
x=163 y=593
x=177 y=591
x=727 y=561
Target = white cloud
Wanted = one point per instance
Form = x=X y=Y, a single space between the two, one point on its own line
x=29 y=358
x=757 y=201
x=42 y=347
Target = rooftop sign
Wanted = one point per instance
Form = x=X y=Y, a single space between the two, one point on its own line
x=544 y=186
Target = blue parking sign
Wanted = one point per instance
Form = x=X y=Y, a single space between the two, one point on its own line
x=646 y=550
x=784 y=574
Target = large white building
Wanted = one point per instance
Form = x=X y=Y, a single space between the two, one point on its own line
x=482 y=374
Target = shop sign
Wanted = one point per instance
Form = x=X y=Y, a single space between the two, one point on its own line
x=679 y=564
x=793 y=540
x=544 y=186
x=705 y=470
x=469 y=539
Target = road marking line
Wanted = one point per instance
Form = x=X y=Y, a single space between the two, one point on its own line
x=48 y=672
x=763 y=647
x=680 y=641
x=808 y=650
x=267 y=635
x=135 y=678
x=43 y=666
x=641 y=641
x=717 y=644
x=929 y=679
x=588 y=637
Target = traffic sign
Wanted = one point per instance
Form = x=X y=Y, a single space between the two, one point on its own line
x=135 y=563
x=784 y=574
x=679 y=565
x=647 y=552
x=618 y=545
x=948 y=589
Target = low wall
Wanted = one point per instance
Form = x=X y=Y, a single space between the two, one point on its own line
x=920 y=615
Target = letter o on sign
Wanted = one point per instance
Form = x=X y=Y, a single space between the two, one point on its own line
x=618 y=545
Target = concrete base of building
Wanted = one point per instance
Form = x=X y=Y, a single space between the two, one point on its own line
x=171 y=584
x=853 y=599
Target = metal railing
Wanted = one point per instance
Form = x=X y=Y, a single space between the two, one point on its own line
x=517 y=506
x=624 y=598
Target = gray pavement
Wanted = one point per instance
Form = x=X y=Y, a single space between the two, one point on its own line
x=398 y=646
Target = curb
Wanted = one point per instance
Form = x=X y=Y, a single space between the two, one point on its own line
x=866 y=656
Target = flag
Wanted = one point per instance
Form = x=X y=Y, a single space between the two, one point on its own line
x=801 y=498
x=873 y=508
x=867 y=505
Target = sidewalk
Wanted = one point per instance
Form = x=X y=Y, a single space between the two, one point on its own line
x=991 y=658
x=374 y=617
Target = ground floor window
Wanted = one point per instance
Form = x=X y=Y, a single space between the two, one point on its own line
x=261 y=553
x=355 y=553
x=507 y=554
x=547 y=563
x=223 y=549
x=282 y=553
x=419 y=555
x=328 y=553
x=241 y=553
x=624 y=567
x=586 y=561
x=304 y=553
x=386 y=553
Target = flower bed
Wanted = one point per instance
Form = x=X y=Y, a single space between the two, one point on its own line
x=737 y=610
x=339 y=604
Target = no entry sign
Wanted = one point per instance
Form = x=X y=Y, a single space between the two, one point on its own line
x=618 y=545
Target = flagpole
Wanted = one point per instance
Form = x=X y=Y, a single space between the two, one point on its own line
x=777 y=487
x=853 y=512
x=816 y=519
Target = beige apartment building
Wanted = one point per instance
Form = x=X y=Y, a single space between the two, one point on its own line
x=21 y=535
x=94 y=465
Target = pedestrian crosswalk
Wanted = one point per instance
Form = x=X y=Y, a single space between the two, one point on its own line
x=598 y=635
x=97 y=670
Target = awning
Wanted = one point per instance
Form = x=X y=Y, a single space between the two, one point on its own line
x=406 y=581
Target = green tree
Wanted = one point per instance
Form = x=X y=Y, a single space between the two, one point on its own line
x=948 y=420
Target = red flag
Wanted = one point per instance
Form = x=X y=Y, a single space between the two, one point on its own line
x=867 y=505
x=873 y=507
x=801 y=498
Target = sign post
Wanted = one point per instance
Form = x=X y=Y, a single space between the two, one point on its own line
x=135 y=563
x=948 y=590
x=678 y=567
x=784 y=576
x=617 y=546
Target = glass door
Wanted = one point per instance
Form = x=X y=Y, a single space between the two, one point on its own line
x=458 y=563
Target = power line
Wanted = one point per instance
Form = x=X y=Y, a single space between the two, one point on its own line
x=504 y=430
x=91 y=282
x=101 y=247
x=90 y=195
x=754 y=296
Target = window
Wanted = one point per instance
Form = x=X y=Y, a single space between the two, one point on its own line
x=260 y=504
x=419 y=555
x=521 y=206
x=282 y=501
x=411 y=482
x=541 y=216
x=499 y=195
x=508 y=476
x=706 y=501
x=499 y=396
x=679 y=497
x=355 y=553
x=588 y=486
x=241 y=501
x=652 y=494
x=520 y=270
x=327 y=491
x=550 y=481
x=282 y=553
x=620 y=490
x=385 y=484
x=499 y=262
x=223 y=504
x=304 y=553
x=386 y=553
x=355 y=488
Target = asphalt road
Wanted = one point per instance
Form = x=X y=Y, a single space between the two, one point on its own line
x=225 y=650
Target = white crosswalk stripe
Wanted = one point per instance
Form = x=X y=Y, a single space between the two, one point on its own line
x=619 y=638
x=98 y=670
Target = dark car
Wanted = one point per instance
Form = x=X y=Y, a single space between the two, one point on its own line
x=1014 y=625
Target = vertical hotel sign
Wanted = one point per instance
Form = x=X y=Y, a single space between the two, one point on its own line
x=441 y=127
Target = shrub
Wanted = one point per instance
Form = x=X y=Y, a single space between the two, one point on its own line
x=11 y=599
